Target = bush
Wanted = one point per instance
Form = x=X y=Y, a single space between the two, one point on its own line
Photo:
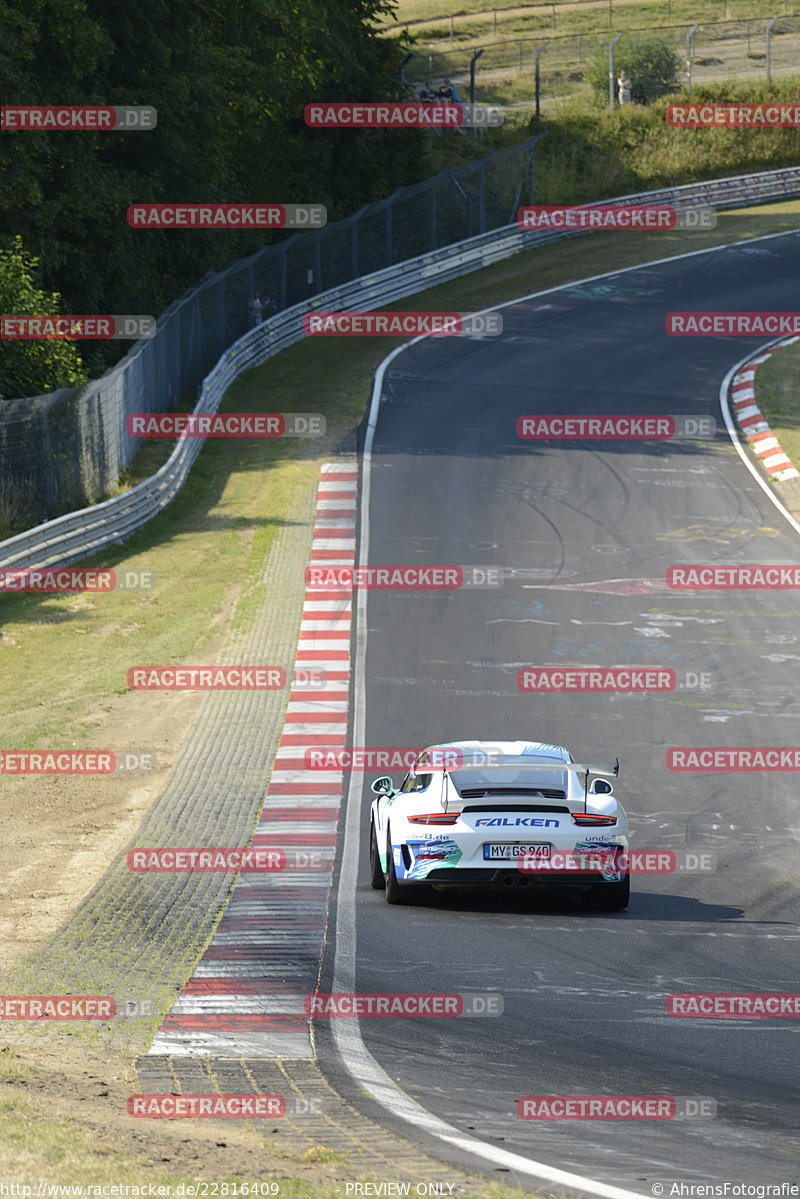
x=652 y=66
x=29 y=368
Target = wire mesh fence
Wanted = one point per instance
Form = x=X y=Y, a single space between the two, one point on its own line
x=517 y=18
x=65 y=450
x=710 y=52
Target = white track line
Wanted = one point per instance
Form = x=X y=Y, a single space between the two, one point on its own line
x=360 y=1063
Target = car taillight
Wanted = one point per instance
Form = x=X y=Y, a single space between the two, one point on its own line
x=590 y=818
x=434 y=818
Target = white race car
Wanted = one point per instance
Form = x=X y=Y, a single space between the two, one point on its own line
x=507 y=814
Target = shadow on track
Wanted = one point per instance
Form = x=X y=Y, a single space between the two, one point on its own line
x=647 y=906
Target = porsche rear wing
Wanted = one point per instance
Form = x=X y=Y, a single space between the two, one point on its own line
x=487 y=762
x=595 y=767
x=450 y=760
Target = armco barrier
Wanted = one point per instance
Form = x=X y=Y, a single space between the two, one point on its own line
x=80 y=534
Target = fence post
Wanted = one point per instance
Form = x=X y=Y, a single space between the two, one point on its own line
x=481 y=198
x=770 y=25
x=49 y=486
x=472 y=63
x=611 y=46
x=689 y=54
x=388 y=235
x=222 y=341
x=318 y=286
x=467 y=200
x=539 y=50
x=432 y=207
x=401 y=74
x=532 y=166
x=283 y=287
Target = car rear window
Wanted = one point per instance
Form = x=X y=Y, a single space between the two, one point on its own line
x=475 y=779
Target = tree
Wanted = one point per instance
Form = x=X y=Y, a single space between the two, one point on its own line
x=32 y=367
x=229 y=80
x=652 y=66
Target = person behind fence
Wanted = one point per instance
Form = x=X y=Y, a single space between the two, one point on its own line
x=255 y=306
x=624 y=88
x=448 y=92
x=427 y=95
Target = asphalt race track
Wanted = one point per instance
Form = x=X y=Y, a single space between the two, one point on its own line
x=587 y=530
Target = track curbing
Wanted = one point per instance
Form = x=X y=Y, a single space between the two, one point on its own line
x=751 y=420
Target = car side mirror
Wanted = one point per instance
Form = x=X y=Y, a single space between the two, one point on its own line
x=601 y=787
x=382 y=786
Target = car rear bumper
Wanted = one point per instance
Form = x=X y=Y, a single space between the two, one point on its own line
x=503 y=877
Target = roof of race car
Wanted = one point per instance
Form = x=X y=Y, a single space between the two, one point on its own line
x=536 y=750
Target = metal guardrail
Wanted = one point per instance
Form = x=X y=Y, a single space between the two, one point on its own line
x=78 y=535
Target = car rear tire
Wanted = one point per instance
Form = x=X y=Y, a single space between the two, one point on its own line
x=394 y=892
x=610 y=897
x=377 y=881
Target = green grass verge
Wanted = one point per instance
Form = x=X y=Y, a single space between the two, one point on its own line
x=657 y=11
x=41 y=1144
x=475 y=22
x=589 y=153
x=777 y=387
x=63 y=1152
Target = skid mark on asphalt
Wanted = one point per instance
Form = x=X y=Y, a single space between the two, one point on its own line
x=608 y=586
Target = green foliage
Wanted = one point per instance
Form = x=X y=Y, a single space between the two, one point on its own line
x=230 y=79
x=592 y=154
x=652 y=66
x=32 y=367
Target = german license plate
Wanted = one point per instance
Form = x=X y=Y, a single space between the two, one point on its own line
x=493 y=852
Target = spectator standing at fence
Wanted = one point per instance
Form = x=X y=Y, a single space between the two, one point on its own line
x=454 y=94
x=255 y=308
x=624 y=88
x=448 y=92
